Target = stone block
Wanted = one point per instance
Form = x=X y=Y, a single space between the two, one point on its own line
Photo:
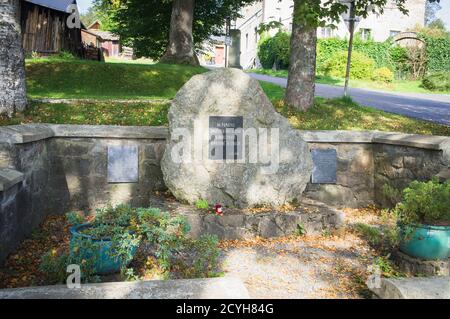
x=9 y=178
x=414 y=288
x=417 y=267
x=213 y=288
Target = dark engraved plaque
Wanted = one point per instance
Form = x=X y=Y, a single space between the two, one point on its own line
x=325 y=166
x=225 y=137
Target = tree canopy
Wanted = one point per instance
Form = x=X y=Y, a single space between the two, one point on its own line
x=145 y=25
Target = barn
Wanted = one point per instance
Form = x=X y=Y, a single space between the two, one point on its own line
x=44 y=28
x=107 y=41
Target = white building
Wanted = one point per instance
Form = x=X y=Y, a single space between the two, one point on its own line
x=377 y=27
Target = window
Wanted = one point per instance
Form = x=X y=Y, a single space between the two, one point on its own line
x=246 y=41
x=393 y=33
x=366 y=34
x=327 y=32
x=256 y=35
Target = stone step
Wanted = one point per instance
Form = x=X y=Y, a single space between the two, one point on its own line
x=414 y=288
x=213 y=288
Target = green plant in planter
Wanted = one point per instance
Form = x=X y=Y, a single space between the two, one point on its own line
x=424 y=220
x=111 y=239
x=425 y=203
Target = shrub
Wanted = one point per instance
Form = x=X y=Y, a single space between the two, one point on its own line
x=361 y=66
x=383 y=75
x=126 y=227
x=202 y=204
x=437 y=82
x=275 y=50
x=437 y=52
x=425 y=203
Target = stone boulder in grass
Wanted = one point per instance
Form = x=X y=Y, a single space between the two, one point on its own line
x=228 y=145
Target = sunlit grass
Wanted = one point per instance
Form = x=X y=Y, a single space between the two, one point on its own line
x=52 y=78
x=395 y=86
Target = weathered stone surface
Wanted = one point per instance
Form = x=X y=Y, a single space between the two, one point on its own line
x=214 y=288
x=20 y=134
x=414 y=288
x=355 y=183
x=9 y=178
x=444 y=175
x=109 y=131
x=413 y=140
x=312 y=216
x=230 y=92
x=417 y=267
x=397 y=166
x=13 y=97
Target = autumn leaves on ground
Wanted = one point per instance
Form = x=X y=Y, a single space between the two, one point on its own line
x=333 y=265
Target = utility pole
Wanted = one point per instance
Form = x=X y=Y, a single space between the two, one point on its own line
x=227 y=35
x=351 y=28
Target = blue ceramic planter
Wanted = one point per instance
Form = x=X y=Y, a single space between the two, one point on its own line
x=104 y=264
x=426 y=242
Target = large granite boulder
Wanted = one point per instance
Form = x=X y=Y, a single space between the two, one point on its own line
x=209 y=104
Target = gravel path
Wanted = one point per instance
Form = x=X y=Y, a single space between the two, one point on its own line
x=306 y=267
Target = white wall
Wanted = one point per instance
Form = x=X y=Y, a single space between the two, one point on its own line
x=380 y=26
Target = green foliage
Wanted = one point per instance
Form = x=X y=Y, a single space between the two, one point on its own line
x=425 y=203
x=439 y=81
x=128 y=228
x=202 y=204
x=380 y=52
x=387 y=268
x=383 y=75
x=384 y=54
x=275 y=51
x=392 y=194
x=145 y=25
x=83 y=253
x=300 y=231
x=437 y=52
x=361 y=66
x=205 y=254
x=74 y=218
x=386 y=236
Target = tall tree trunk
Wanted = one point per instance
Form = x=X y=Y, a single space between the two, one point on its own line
x=12 y=63
x=302 y=65
x=181 y=43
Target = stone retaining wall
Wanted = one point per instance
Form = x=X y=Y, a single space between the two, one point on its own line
x=56 y=168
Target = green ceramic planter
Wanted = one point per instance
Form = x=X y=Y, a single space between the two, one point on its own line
x=104 y=264
x=426 y=242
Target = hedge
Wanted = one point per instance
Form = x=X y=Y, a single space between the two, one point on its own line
x=275 y=50
x=385 y=54
x=438 y=53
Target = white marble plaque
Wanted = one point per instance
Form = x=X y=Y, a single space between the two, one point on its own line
x=123 y=164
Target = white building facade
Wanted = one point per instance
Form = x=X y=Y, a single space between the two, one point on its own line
x=376 y=27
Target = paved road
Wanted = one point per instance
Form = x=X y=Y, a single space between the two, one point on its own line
x=429 y=107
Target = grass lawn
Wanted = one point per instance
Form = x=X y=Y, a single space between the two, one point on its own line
x=103 y=81
x=52 y=78
x=93 y=113
x=343 y=114
x=396 y=86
